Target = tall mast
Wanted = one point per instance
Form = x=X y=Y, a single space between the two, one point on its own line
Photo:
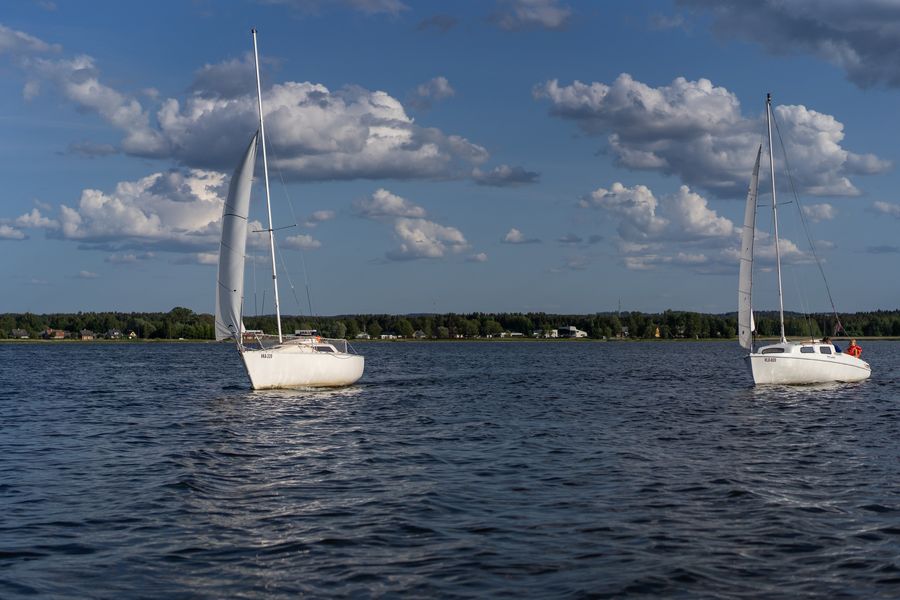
x=262 y=137
x=774 y=213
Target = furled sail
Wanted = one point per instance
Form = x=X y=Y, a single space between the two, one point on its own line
x=230 y=293
x=745 y=284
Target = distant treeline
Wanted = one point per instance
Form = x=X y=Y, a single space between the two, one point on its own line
x=184 y=323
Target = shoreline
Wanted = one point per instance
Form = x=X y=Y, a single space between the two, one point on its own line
x=433 y=340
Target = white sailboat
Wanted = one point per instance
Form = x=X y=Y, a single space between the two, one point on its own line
x=291 y=361
x=785 y=362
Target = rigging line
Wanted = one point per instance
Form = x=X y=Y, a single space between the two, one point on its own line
x=306 y=277
x=288 y=275
x=255 y=305
x=804 y=303
x=302 y=253
x=812 y=246
x=263 y=302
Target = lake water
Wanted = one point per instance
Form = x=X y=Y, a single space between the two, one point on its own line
x=450 y=470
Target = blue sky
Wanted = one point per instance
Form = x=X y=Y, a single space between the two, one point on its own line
x=509 y=155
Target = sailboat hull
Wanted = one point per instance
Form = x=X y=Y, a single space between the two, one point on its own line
x=793 y=367
x=293 y=367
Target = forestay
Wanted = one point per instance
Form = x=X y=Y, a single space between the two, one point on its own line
x=745 y=285
x=231 y=251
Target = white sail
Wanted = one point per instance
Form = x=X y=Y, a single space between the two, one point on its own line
x=230 y=293
x=745 y=284
x=292 y=361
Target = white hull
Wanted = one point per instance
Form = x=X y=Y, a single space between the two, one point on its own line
x=793 y=367
x=292 y=366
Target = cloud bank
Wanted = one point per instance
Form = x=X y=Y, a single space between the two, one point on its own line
x=678 y=230
x=861 y=37
x=697 y=132
x=417 y=236
x=314 y=133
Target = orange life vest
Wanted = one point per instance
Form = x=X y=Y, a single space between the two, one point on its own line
x=854 y=351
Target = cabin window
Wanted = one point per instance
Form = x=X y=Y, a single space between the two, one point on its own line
x=825 y=349
x=324 y=349
x=807 y=349
x=773 y=351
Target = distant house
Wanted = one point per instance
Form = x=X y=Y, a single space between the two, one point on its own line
x=114 y=334
x=19 y=334
x=623 y=333
x=86 y=334
x=251 y=335
x=419 y=334
x=545 y=333
x=510 y=334
x=53 y=334
x=388 y=336
x=306 y=332
x=131 y=335
x=571 y=332
x=362 y=335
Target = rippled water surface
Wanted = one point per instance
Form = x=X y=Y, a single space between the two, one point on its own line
x=450 y=470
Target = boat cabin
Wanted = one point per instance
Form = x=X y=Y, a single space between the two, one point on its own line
x=816 y=347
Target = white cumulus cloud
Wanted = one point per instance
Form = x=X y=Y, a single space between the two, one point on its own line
x=820 y=212
x=174 y=211
x=678 y=229
x=684 y=215
x=417 y=236
x=16 y=42
x=433 y=90
x=319 y=216
x=78 y=80
x=514 y=236
x=697 y=131
x=300 y=242
x=8 y=232
x=314 y=133
x=887 y=208
x=37 y=220
x=230 y=78
x=383 y=203
x=420 y=238
x=209 y=259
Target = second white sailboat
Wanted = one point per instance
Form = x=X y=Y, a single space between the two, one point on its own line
x=785 y=362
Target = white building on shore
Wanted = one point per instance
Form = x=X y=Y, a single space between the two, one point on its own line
x=571 y=332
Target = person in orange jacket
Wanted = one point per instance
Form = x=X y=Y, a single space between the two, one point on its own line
x=853 y=349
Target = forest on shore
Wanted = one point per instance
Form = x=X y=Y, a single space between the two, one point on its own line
x=183 y=323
